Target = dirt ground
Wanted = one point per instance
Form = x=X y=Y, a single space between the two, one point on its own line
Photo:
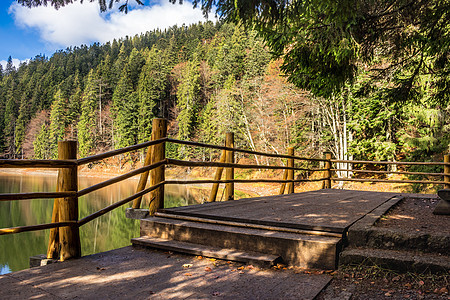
x=373 y=282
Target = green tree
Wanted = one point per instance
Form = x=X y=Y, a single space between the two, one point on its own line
x=87 y=125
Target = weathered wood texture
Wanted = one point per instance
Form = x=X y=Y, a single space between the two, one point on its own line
x=290 y=164
x=217 y=176
x=159 y=130
x=324 y=210
x=69 y=237
x=327 y=182
x=229 y=172
x=447 y=171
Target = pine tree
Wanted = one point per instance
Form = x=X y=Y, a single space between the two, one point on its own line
x=152 y=90
x=87 y=126
x=58 y=123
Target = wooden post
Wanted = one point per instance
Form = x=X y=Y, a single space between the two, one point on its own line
x=69 y=237
x=218 y=176
x=447 y=172
x=229 y=172
x=327 y=182
x=143 y=179
x=290 y=173
x=159 y=130
x=283 y=185
x=53 y=240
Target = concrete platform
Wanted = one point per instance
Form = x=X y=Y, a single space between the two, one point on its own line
x=129 y=273
x=328 y=210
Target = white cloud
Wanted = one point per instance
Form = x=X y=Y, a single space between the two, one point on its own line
x=16 y=62
x=77 y=23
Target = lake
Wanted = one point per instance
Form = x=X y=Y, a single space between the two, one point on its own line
x=110 y=231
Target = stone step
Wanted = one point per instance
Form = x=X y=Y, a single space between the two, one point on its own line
x=258 y=259
x=403 y=261
x=391 y=239
x=303 y=250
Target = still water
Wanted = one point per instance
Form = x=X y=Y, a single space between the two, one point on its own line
x=110 y=231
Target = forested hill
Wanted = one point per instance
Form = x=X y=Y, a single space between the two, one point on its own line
x=207 y=79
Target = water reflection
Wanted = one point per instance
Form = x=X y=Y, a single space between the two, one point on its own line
x=108 y=232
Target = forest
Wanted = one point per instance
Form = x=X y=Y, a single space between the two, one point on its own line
x=206 y=79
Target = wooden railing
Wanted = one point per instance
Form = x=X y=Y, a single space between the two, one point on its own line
x=64 y=239
x=354 y=163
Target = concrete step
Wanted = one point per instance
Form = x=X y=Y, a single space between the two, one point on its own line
x=258 y=259
x=403 y=261
x=303 y=250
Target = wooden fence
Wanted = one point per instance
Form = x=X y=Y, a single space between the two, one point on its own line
x=64 y=241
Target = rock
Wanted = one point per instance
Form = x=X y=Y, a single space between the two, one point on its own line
x=442 y=208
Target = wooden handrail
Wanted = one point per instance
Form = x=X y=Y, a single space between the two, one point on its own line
x=117 y=204
x=120 y=178
x=93 y=158
x=424 y=163
x=27 y=196
x=390 y=181
x=18 y=229
x=184 y=163
x=189 y=143
x=389 y=172
x=38 y=163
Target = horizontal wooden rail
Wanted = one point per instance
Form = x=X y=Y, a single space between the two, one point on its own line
x=390 y=172
x=390 y=181
x=425 y=163
x=117 y=204
x=184 y=163
x=200 y=181
x=18 y=229
x=189 y=143
x=120 y=178
x=37 y=163
x=93 y=158
x=27 y=196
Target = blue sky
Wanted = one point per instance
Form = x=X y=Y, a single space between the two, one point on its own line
x=25 y=33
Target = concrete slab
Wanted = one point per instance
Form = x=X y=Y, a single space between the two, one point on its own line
x=327 y=210
x=129 y=273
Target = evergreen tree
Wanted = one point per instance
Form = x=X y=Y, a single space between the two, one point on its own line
x=58 y=122
x=152 y=90
x=87 y=126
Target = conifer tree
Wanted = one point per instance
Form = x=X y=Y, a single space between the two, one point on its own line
x=87 y=133
x=152 y=90
x=58 y=123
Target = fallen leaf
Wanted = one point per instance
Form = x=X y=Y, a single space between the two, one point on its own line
x=421 y=282
x=208 y=269
x=187 y=274
x=396 y=278
x=388 y=294
x=406 y=296
x=408 y=285
x=443 y=290
x=241 y=272
x=229 y=262
x=241 y=268
x=213 y=259
x=216 y=294
x=250 y=267
x=187 y=265
x=199 y=257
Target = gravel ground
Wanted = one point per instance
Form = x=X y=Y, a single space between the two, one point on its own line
x=373 y=282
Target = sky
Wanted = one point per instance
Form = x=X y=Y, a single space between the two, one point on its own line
x=25 y=33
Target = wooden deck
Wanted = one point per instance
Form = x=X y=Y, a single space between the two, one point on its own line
x=305 y=229
x=328 y=210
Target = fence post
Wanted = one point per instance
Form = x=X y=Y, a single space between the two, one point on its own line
x=215 y=186
x=290 y=176
x=447 y=172
x=229 y=172
x=53 y=240
x=69 y=237
x=327 y=182
x=144 y=176
x=159 y=131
